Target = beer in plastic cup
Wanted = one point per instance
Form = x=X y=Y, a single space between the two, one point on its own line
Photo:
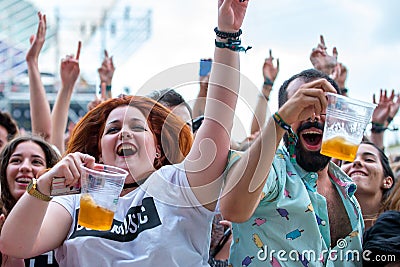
x=345 y=123
x=100 y=190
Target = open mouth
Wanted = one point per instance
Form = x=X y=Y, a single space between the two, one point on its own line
x=312 y=139
x=126 y=150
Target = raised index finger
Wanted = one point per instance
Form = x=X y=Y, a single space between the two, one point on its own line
x=322 y=41
x=79 y=50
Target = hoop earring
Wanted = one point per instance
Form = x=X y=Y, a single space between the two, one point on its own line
x=158 y=155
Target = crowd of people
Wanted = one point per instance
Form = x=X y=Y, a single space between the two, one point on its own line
x=193 y=195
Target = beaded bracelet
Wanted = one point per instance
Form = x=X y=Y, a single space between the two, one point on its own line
x=278 y=119
x=225 y=35
x=233 y=45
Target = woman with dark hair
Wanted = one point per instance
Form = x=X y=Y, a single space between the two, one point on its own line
x=374 y=179
x=21 y=160
x=166 y=207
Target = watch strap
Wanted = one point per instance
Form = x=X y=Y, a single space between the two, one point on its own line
x=33 y=191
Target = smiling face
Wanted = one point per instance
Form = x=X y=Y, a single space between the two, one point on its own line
x=25 y=162
x=310 y=137
x=128 y=143
x=367 y=171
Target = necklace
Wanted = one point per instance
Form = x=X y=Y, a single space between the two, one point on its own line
x=134 y=184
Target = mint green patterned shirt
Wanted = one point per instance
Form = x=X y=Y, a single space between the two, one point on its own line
x=290 y=226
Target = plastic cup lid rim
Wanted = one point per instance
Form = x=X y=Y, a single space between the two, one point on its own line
x=353 y=100
x=110 y=168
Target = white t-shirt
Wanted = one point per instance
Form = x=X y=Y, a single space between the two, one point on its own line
x=161 y=223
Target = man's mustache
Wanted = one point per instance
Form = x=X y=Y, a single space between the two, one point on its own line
x=309 y=124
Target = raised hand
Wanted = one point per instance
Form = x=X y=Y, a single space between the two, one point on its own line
x=39 y=106
x=37 y=40
x=382 y=110
x=321 y=60
x=231 y=14
x=70 y=69
x=106 y=71
x=308 y=101
x=269 y=70
x=69 y=168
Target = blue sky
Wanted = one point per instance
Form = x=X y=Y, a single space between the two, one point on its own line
x=364 y=32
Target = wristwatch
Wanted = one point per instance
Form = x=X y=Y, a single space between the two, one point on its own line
x=31 y=189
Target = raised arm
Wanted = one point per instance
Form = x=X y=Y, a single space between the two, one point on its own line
x=69 y=71
x=248 y=175
x=270 y=71
x=200 y=102
x=341 y=78
x=39 y=106
x=35 y=226
x=106 y=73
x=208 y=156
x=383 y=115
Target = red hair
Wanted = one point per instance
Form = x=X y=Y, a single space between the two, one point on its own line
x=171 y=134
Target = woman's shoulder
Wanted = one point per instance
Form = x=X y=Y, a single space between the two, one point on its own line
x=174 y=173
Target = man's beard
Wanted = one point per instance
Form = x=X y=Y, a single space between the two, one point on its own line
x=310 y=161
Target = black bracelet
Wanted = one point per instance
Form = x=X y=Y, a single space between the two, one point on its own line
x=377 y=124
x=225 y=35
x=233 y=45
x=378 y=129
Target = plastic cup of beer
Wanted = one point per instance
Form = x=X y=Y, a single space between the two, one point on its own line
x=100 y=190
x=345 y=123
